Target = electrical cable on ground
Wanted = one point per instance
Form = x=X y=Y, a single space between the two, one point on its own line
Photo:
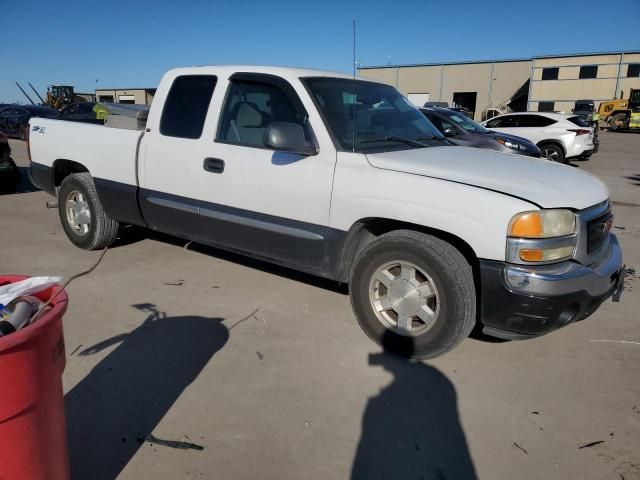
x=65 y=284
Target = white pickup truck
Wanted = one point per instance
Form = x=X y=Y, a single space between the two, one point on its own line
x=345 y=179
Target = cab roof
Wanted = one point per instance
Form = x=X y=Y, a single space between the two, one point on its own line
x=285 y=72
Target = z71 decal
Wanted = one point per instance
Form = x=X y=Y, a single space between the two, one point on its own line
x=38 y=129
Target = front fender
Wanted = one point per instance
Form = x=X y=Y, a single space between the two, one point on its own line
x=478 y=216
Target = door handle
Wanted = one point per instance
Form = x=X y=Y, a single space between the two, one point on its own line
x=213 y=165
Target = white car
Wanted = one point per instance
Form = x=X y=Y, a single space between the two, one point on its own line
x=559 y=137
x=345 y=179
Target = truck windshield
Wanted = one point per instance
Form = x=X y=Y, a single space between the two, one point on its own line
x=369 y=117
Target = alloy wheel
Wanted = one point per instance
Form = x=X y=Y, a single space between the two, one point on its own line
x=78 y=212
x=404 y=298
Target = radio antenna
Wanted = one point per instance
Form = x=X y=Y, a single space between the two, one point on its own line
x=354 y=48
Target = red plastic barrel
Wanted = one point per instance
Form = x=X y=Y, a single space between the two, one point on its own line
x=33 y=438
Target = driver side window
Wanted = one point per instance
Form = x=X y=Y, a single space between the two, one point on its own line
x=250 y=107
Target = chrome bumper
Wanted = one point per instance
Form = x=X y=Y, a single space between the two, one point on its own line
x=567 y=277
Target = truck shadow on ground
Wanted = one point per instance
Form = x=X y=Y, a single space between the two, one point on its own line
x=122 y=400
x=411 y=429
x=131 y=234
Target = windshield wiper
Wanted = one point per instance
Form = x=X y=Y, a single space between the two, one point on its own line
x=394 y=138
x=434 y=137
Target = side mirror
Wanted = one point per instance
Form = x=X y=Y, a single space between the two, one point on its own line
x=288 y=137
x=450 y=132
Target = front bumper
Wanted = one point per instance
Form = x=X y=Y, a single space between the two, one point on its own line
x=527 y=301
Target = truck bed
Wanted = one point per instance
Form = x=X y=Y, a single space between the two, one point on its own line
x=108 y=153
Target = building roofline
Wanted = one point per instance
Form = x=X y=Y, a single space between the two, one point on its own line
x=120 y=88
x=501 y=60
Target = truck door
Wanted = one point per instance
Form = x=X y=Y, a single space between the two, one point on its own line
x=172 y=154
x=267 y=203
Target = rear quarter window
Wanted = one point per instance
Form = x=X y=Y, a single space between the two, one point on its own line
x=185 y=108
x=535 y=121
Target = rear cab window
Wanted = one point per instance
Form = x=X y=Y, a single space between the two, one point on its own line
x=185 y=108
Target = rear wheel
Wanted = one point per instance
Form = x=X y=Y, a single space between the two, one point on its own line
x=81 y=214
x=552 y=152
x=413 y=294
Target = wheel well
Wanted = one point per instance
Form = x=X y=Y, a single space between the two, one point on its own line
x=553 y=142
x=63 y=168
x=365 y=231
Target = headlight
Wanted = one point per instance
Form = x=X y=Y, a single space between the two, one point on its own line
x=541 y=236
x=510 y=144
x=543 y=224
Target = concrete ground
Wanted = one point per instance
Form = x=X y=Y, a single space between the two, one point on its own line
x=267 y=370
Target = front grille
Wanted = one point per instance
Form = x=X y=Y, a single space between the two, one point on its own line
x=597 y=231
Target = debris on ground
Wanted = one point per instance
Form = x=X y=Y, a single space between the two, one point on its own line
x=260 y=355
x=179 y=283
x=169 y=443
x=520 y=448
x=591 y=444
x=75 y=350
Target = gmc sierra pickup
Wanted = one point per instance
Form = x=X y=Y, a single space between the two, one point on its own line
x=345 y=179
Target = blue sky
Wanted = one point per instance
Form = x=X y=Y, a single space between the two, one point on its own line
x=131 y=44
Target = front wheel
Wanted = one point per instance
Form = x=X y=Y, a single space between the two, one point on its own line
x=81 y=214
x=413 y=294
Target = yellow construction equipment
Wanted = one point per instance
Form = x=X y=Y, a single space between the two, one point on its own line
x=620 y=113
x=60 y=95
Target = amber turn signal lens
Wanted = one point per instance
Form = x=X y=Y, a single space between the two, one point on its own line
x=531 y=255
x=527 y=226
x=545 y=254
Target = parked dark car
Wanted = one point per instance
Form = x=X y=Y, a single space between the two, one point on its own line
x=463 y=110
x=461 y=130
x=80 y=112
x=584 y=109
x=9 y=173
x=437 y=104
x=15 y=118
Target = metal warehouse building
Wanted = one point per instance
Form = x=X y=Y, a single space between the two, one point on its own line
x=140 y=96
x=546 y=83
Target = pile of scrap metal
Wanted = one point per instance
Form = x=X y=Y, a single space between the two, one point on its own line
x=9 y=173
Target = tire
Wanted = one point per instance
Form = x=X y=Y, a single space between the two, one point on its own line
x=446 y=288
x=615 y=120
x=552 y=152
x=90 y=232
